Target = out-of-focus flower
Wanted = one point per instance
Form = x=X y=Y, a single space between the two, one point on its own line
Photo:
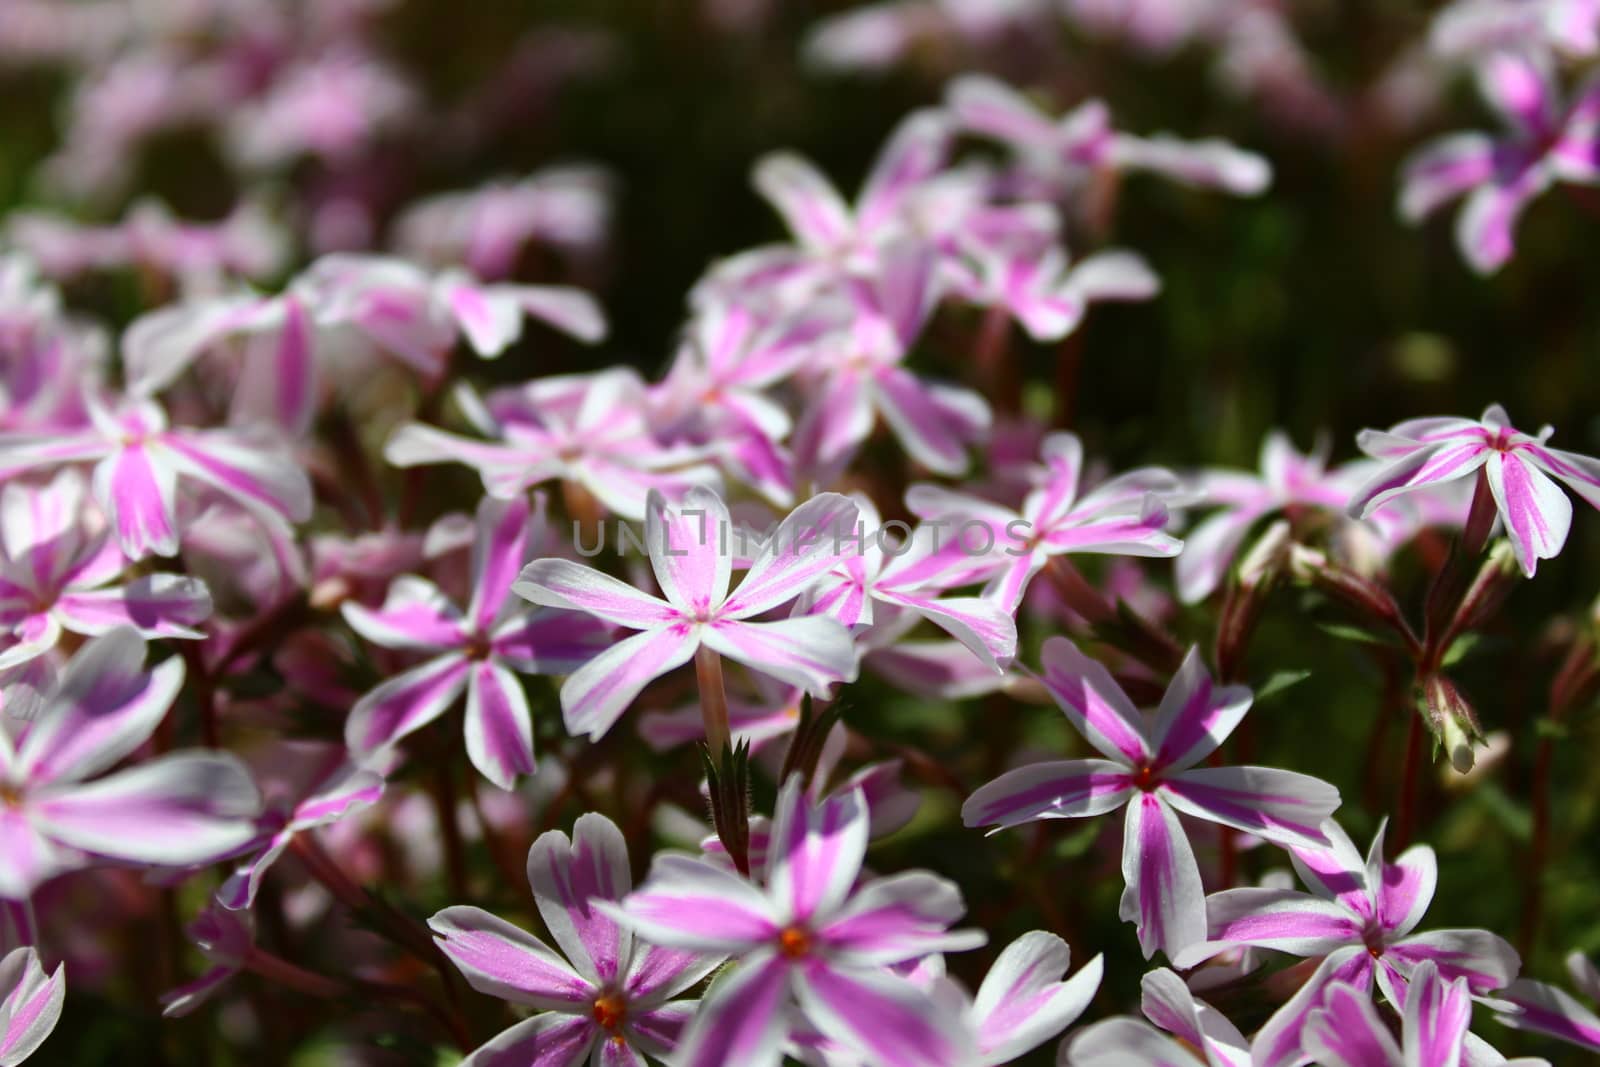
x=878 y=35
x=1123 y=516
x=1151 y=768
x=1474 y=28
x=479 y=652
x=47 y=360
x=57 y=563
x=1543 y=1009
x=55 y=815
x=690 y=545
x=1024 y=1002
x=332 y=107
x=1546 y=143
x=1198 y=1032
x=589 y=430
x=1419 y=453
x=140 y=462
x=1359 y=918
x=813 y=943
x=336 y=792
x=613 y=993
x=1066 y=151
x=30 y=1004
x=485 y=229
x=226 y=939
x=912 y=579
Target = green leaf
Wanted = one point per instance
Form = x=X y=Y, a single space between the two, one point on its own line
x=1346 y=632
x=1077 y=844
x=1460 y=648
x=1278 y=683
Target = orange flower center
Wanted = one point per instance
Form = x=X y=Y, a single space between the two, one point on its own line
x=794 y=942
x=610 y=1010
x=1145 y=778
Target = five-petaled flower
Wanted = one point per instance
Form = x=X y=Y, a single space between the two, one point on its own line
x=479 y=652
x=612 y=998
x=1152 y=768
x=812 y=940
x=1518 y=466
x=691 y=547
x=172 y=811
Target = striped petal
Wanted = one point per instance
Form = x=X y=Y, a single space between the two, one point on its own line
x=1024 y=1002
x=1058 y=790
x=596 y=694
x=506 y=962
x=1163 y=894
x=405 y=703
x=1094 y=703
x=568 y=877
x=816 y=850
x=1280 y=806
x=498 y=726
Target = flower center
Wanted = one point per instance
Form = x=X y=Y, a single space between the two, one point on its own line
x=610 y=1010
x=1145 y=778
x=478 y=647
x=10 y=795
x=794 y=942
x=1373 y=936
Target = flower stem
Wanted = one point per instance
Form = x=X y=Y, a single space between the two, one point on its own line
x=447 y=810
x=1409 y=772
x=713 y=700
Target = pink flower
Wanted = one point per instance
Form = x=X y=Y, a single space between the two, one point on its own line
x=226 y=939
x=812 y=943
x=1066 y=151
x=141 y=461
x=872 y=587
x=1023 y=1001
x=1123 y=516
x=486 y=228
x=479 y=652
x=30 y=1004
x=1419 y=453
x=1199 y=1033
x=173 y=811
x=612 y=994
x=1359 y=918
x=588 y=429
x=1347 y=1031
x=1543 y=1009
x=690 y=548
x=1152 y=768
x=46 y=357
x=56 y=568
x=332 y=107
x=1547 y=143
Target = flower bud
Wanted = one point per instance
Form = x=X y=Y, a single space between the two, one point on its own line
x=1267 y=559
x=1453 y=722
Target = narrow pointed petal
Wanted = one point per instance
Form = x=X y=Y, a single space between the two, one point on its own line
x=692 y=904
x=1283 y=807
x=1094 y=702
x=269 y=483
x=1581 y=473
x=405 y=703
x=596 y=694
x=1486 y=226
x=1196 y=716
x=416 y=614
x=30 y=859
x=688 y=549
x=1163 y=895
x=31 y=1006
x=156 y=605
x=1024 y=1001
x=1537 y=513
x=1280 y=919
x=499 y=726
x=1435 y=1021
x=810 y=206
x=1169 y=1004
x=175 y=810
x=105 y=706
x=504 y=961
x=1277 y=1043
x=497 y=556
x=1407 y=889
x=561 y=583
x=138 y=490
x=1443 y=170
x=568 y=877
x=816 y=850
x=743 y=1018
x=551 y=1039
x=1416 y=468
x=549 y=640
x=808 y=543
x=982 y=625
x=933 y=424
x=1487 y=961
x=1347 y=1032
x=1208 y=551
x=1065 y=789
x=809 y=651
x=1544 y=1009
x=901 y=917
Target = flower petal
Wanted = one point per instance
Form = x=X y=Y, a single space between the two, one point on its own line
x=568 y=877
x=808 y=651
x=1347 y=1032
x=1537 y=513
x=32 y=1004
x=405 y=703
x=805 y=545
x=1163 y=894
x=1280 y=919
x=688 y=549
x=561 y=583
x=596 y=694
x=1196 y=716
x=138 y=490
x=816 y=851
x=1544 y=1009
x=416 y=614
x=881 y=1016
x=1281 y=806
x=1023 y=1001
x=693 y=904
x=498 y=552
x=157 y=605
x=743 y=1018
x=1437 y=1014
x=499 y=727
x=551 y=1039
x=1094 y=702
x=507 y=962
x=1062 y=789
x=810 y=206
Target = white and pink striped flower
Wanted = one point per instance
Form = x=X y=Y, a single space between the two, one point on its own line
x=478 y=652
x=30 y=1004
x=815 y=945
x=1419 y=453
x=612 y=1000
x=691 y=547
x=55 y=815
x=1151 y=767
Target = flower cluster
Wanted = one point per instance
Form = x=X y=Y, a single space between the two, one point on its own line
x=338 y=574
